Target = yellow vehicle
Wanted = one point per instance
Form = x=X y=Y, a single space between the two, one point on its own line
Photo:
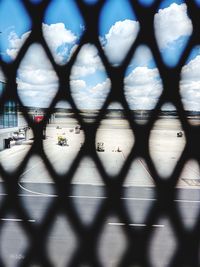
x=62 y=141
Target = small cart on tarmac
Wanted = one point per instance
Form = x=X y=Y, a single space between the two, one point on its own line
x=62 y=141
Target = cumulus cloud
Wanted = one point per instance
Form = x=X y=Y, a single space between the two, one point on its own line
x=56 y=35
x=171 y=23
x=91 y=97
x=87 y=62
x=119 y=39
x=143 y=88
x=77 y=84
x=190 y=84
x=15 y=43
x=38 y=83
x=101 y=88
x=36 y=95
x=59 y=31
x=142 y=56
x=36 y=69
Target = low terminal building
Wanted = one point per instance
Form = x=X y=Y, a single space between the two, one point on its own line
x=10 y=121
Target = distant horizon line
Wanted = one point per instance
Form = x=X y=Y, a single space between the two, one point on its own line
x=111 y=109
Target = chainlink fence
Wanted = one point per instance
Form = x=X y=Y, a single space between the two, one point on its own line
x=138 y=240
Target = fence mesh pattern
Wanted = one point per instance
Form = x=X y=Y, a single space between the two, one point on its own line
x=138 y=240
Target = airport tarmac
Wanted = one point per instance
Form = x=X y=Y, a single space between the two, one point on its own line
x=37 y=192
x=118 y=140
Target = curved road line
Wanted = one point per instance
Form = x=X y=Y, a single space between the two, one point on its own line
x=34 y=192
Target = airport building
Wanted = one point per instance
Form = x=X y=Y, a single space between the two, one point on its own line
x=10 y=122
x=8 y=114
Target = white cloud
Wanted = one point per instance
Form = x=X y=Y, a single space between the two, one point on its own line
x=36 y=95
x=36 y=68
x=101 y=88
x=56 y=35
x=89 y=97
x=119 y=39
x=171 y=23
x=38 y=82
x=190 y=84
x=77 y=85
x=87 y=62
x=143 y=88
x=15 y=43
x=142 y=56
x=191 y=71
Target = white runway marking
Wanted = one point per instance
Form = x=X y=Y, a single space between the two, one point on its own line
x=136 y=224
x=186 y=201
x=38 y=194
x=14 y=220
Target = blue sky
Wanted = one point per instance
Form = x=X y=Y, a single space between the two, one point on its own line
x=63 y=26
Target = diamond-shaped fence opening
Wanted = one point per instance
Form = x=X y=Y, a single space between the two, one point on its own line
x=117 y=40
x=166 y=142
x=89 y=82
x=87 y=201
x=138 y=203
x=189 y=87
x=64 y=137
x=37 y=191
x=70 y=29
x=171 y=53
x=87 y=173
x=44 y=79
x=142 y=84
x=114 y=139
x=187 y=203
x=61 y=244
x=112 y=243
x=14 y=241
x=161 y=253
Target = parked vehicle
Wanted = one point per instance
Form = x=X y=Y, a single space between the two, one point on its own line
x=62 y=141
x=100 y=147
x=18 y=135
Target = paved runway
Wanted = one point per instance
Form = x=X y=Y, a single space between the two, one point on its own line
x=165 y=149
x=37 y=192
x=62 y=241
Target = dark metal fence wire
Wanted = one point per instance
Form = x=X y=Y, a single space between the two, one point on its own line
x=136 y=254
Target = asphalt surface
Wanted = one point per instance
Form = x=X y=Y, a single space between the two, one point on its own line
x=37 y=193
x=62 y=240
